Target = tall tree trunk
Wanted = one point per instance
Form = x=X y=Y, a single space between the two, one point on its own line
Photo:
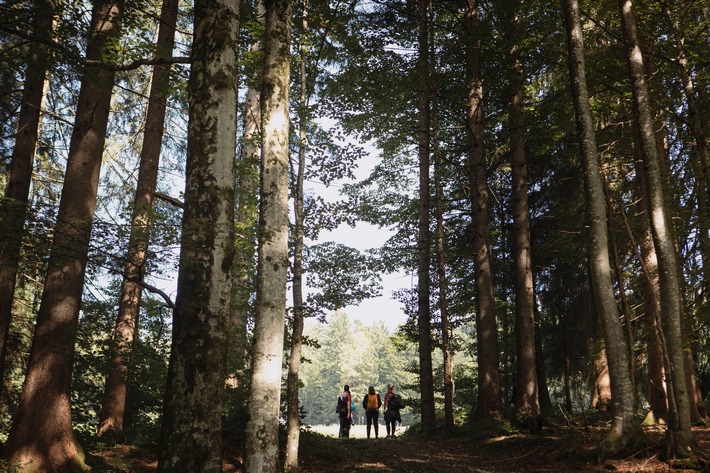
x=41 y=432
x=646 y=254
x=116 y=389
x=490 y=404
x=244 y=269
x=625 y=429
x=699 y=158
x=191 y=437
x=679 y=437
x=262 y=439
x=441 y=248
x=658 y=399
x=527 y=406
x=699 y=144
x=13 y=207
x=293 y=419
x=698 y=409
x=426 y=377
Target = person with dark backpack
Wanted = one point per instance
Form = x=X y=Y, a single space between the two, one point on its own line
x=343 y=411
x=371 y=403
x=393 y=403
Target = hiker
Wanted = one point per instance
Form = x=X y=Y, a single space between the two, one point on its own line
x=393 y=403
x=344 y=412
x=371 y=403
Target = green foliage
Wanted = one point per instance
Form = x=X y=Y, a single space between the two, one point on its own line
x=356 y=355
x=148 y=369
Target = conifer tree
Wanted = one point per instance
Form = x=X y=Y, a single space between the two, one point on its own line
x=41 y=433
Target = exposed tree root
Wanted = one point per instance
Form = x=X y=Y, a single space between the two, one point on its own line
x=632 y=438
x=681 y=450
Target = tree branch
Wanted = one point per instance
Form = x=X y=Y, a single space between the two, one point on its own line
x=169 y=199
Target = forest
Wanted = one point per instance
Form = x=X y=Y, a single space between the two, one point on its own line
x=171 y=171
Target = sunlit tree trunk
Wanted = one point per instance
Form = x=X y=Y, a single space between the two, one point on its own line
x=426 y=377
x=293 y=420
x=600 y=398
x=262 y=440
x=115 y=392
x=527 y=406
x=658 y=399
x=625 y=429
x=41 y=433
x=191 y=434
x=13 y=207
x=646 y=255
x=699 y=160
x=679 y=437
x=490 y=404
x=243 y=270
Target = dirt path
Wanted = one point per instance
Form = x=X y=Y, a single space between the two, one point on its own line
x=558 y=449
x=555 y=450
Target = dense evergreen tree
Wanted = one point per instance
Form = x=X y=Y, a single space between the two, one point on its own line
x=405 y=83
x=126 y=333
x=625 y=430
x=41 y=433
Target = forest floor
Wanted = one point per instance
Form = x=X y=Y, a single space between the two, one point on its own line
x=558 y=448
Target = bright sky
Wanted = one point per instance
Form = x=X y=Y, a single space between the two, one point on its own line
x=363 y=237
x=383 y=308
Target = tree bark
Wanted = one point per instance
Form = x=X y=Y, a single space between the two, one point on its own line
x=490 y=404
x=262 y=441
x=426 y=377
x=41 y=433
x=13 y=207
x=191 y=437
x=116 y=389
x=625 y=429
x=527 y=406
x=244 y=269
x=650 y=290
x=441 y=249
x=679 y=439
x=293 y=420
x=601 y=397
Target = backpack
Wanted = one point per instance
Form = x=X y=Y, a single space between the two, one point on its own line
x=342 y=405
x=372 y=402
x=395 y=403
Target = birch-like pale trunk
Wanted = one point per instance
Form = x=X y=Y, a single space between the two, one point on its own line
x=191 y=434
x=41 y=433
x=116 y=389
x=625 y=429
x=262 y=430
x=244 y=268
x=293 y=419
